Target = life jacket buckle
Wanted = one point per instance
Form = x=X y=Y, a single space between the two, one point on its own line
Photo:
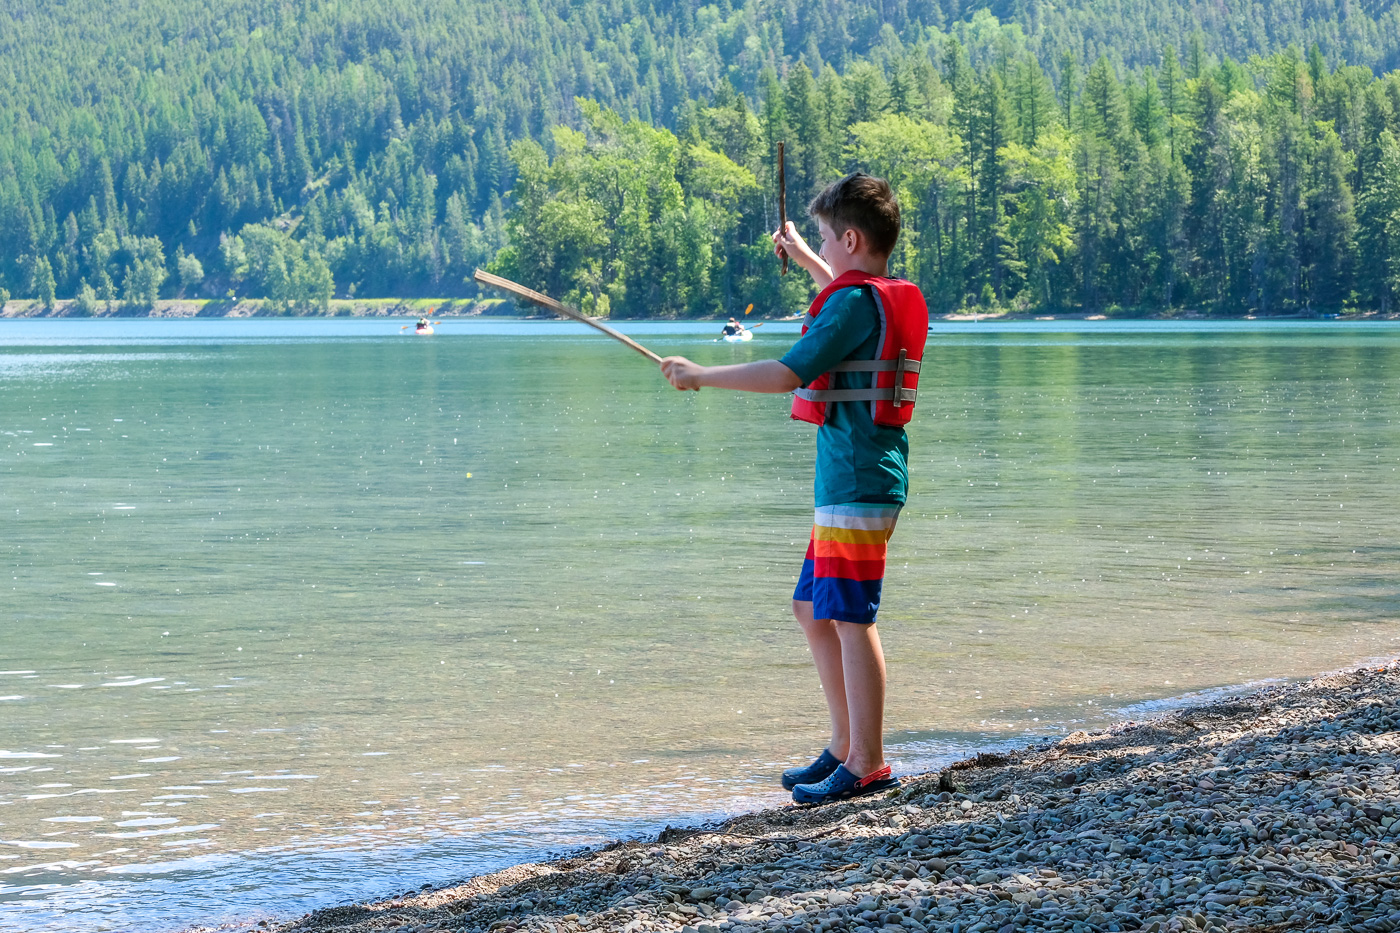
x=899 y=399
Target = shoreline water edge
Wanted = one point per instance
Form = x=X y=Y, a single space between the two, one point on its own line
x=1272 y=811
x=241 y=308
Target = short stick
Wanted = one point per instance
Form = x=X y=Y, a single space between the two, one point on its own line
x=782 y=197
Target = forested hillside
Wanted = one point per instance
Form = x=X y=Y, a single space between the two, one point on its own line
x=1139 y=154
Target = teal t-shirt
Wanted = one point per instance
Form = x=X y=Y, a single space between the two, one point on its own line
x=857 y=459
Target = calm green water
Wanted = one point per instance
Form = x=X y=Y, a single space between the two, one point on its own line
x=302 y=612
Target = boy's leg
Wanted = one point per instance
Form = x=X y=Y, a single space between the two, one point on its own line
x=826 y=647
x=862 y=663
x=848 y=549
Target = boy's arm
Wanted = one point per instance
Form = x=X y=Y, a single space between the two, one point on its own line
x=762 y=376
x=836 y=333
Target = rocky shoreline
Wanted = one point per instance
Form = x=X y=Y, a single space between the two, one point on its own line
x=1269 y=812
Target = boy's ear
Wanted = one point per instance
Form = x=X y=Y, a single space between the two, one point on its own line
x=852 y=240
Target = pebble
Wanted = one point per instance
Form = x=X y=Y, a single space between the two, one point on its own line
x=1280 y=809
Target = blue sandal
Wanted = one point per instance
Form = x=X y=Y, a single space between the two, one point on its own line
x=843 y=785
x=818 y=770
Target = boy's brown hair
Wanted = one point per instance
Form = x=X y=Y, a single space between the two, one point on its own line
x=864 y=202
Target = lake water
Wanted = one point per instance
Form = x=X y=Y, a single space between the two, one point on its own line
x=303 y=612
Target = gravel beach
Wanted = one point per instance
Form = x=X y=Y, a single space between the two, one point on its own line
x=1274 y=811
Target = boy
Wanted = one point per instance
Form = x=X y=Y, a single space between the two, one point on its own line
x=854 y=371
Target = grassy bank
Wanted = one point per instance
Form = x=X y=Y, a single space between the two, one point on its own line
x=1270 y=812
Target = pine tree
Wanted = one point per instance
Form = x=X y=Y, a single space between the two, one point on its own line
x=1196 y=63
x=1206 y=158
x=806 y=136
x=959 y=75
x=1287 y=165
x=870 y=92
x=1149 y=114
x=1033 y=100
x=1289 y=87
x=1102 y=141
x=836 y=115
x=1171 y=84
x=990 y=132
x=1379 y=229
x=1329 y=238
x=1317 y=65
x=1105 y=110
x=906 y=97
x=1069 y=87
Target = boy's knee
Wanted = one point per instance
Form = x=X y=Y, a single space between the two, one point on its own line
x=854 y=631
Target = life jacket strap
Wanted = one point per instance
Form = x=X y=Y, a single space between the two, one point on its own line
x=899 y=396
x=874 y=366
x=901 y=365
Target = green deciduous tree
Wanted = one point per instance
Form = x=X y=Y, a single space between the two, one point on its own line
x=1041 y=187
x=85 y=302
x=608 y=224
x=42 y=282
x=190 y=271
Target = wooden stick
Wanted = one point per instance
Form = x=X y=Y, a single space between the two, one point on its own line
x=495 y=281
x=782 y=199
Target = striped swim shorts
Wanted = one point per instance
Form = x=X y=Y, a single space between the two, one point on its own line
x=845 y=564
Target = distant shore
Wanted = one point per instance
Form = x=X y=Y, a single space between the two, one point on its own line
x=258 y=307
x=1275 y=811
x=468 y=307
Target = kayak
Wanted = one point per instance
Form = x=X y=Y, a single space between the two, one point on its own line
x=423 y=331
x=741 y=337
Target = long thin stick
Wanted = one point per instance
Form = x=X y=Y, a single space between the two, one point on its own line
x=782 y=199
x=495 y=281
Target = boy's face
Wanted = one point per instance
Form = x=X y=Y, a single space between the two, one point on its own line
x=833 y=247
x=842 y=252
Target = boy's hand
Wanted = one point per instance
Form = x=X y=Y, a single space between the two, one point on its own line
x=788 y=241
x=682 y=373
x=758 y=376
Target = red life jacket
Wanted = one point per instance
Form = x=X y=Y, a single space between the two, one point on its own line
x=903 y=333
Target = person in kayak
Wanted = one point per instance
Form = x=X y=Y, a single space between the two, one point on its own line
x=855 y=371
x=733 y=328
